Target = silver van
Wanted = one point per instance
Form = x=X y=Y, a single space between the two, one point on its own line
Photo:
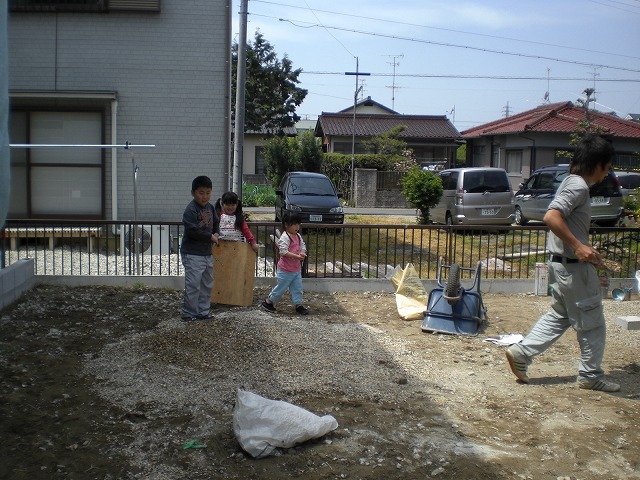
x=474 y=196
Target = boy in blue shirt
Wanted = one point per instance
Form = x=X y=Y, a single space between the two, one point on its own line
x=201 y=231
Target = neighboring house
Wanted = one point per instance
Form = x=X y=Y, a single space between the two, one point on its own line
x=633 y=117
x=107 y=72
x=529 y=140
x=253 y=170
x=433 y=138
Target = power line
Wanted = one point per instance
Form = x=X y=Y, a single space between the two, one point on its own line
x=467 y=47
x=481 y=77
x=618 y=8
x=332 y=35
x=497 y=37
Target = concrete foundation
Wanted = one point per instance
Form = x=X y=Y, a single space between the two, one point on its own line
x=629 y=323
x=18 y=278
x=15 y=280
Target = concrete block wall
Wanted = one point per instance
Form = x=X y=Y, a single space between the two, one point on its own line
x=365 y=187
x=15 y=280
x=367 y=194
x=391 y=199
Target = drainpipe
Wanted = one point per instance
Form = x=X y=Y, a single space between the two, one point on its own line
x=493 y=148
x=114 y=160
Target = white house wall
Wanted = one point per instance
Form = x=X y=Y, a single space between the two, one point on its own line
x=170 y=72
x=249 y=153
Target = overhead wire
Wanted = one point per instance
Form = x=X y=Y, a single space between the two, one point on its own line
x=497 y=37
x=487 y=77
x=467 y=47
x=332 y=35
x=617 y=8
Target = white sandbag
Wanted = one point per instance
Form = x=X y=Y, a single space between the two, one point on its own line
x=261 y=425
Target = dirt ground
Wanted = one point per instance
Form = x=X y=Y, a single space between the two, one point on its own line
x=98 y=383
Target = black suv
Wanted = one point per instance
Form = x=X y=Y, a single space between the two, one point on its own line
x=535 y=194
x=310 y=195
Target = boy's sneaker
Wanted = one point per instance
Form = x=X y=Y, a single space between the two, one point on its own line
x=187 y=318
x=208 y=316
x=599 y=385
x=269 y=307
x=518 y=364
x=301 y=310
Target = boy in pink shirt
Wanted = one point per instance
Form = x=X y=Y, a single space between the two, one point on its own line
x=293 y=251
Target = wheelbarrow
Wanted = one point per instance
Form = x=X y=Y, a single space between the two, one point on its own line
x=451 y=307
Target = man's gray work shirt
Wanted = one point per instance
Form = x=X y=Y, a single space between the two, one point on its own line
x=573 y=201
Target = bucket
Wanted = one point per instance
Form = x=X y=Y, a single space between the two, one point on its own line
x=541 y=279
x=621 y=294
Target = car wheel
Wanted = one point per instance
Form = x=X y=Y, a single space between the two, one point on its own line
x=520 y=219
x=448 y=220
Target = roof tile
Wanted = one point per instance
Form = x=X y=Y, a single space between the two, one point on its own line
x=418 y=126
x=557 y=118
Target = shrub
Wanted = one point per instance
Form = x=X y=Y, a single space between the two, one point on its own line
x=423 y=190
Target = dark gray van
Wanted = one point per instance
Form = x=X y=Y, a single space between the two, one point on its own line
x=474 y=196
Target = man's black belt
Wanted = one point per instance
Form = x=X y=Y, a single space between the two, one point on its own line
x=560 y=259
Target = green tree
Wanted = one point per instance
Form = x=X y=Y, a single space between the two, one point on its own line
x=584 y=127
x=287 y=154
x=423 y=191
x=309 y=152
x=271 y=91
x=387 y=143
x=279 y=158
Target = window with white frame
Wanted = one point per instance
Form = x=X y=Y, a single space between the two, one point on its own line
x=514 y=161
x=56 y=181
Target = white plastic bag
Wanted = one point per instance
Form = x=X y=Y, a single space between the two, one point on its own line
x=261 y=425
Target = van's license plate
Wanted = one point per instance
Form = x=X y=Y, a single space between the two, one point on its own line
x=488 y=211
x=315 y=218
x=598 y=200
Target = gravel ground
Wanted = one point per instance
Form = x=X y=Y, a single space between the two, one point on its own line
x=108 y=383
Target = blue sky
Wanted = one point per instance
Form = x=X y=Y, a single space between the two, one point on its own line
x=449 y=53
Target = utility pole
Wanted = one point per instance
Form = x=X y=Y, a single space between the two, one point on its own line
x=547 y=94
x=357 y=73
x=595 y=74
x=238 y=135
x=393 y=82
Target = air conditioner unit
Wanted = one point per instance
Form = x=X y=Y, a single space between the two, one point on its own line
x=151 y=239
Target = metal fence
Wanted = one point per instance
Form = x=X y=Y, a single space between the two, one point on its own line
x=349 y=250
x=389 y=180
